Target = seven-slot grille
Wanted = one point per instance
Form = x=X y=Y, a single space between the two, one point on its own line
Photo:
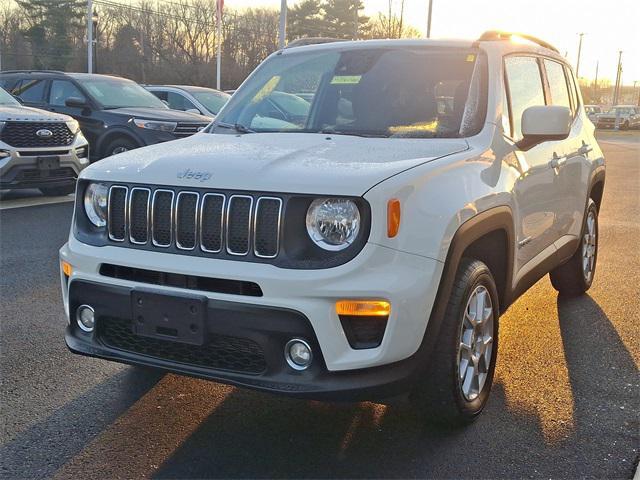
x=23 y=134
x=237 y=224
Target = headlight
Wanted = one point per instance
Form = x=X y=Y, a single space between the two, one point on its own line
x=333 y=223
x=155 y=125
x=73 y=126
x=95 y=203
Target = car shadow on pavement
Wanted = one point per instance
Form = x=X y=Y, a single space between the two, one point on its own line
x=252 y=435
x=603 y=378
x=70 y=428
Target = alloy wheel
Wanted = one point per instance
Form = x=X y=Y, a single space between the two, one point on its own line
x=589 y=245
x=476 y=343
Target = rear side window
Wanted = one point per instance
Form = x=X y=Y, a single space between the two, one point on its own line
x=557 y=84
x=573 y=90
x=525 y=88
x=30 y=91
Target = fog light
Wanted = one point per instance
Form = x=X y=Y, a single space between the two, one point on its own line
x=298 y=354
x=85 y=317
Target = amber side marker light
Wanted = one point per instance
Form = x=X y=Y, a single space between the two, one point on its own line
x=66 y=268
x=393 y=217
x=363 y=308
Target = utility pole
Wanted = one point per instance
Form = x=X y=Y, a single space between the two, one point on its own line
x=89 y=36
x=283 y=24
x=219 y=4
x=616 y=91
x=579 y=52
x=634 y=89
x=355 y=20
x=595 y=85
x=429 y=19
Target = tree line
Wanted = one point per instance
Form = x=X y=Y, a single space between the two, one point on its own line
x=175 y=42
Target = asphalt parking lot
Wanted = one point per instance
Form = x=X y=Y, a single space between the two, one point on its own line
x=565 y=401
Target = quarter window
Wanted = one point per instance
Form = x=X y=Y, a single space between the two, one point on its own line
x=557 y=84
x=525 y=88
x=61 y=90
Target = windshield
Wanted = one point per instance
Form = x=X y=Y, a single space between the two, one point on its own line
x=214 y=101
x=8 y=100
x=119 y=93
x=620 y=111
x=420 y=92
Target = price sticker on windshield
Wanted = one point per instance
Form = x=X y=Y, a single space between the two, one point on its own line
x=346 y=79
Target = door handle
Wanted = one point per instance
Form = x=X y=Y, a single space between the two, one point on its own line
x=584 y=149
x=556 y=161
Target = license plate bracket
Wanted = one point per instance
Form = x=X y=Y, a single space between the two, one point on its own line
x=49 y=162
x=177 y=318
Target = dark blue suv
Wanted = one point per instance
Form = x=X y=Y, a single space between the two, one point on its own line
x=115 y=114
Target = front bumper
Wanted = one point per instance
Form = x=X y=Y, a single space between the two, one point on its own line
x=295 y=303
x=20 y=169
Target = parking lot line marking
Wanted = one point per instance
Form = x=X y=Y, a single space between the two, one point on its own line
x=34 y=202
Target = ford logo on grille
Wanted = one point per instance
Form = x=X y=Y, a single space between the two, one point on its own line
x=44 y=133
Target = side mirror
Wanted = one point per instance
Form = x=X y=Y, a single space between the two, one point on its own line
x=542 y=123
x=75 y=102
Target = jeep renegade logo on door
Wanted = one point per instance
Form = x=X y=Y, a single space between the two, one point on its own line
x=44 y=133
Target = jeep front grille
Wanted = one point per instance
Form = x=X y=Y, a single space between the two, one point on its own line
x=23 y=134
x=236 y=224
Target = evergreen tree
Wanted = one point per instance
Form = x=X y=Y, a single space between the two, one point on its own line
x=342 y=19
x=49 y=32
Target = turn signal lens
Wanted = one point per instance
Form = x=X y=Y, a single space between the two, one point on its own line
x=66 y=268
x=363 y=308
x=393 y=217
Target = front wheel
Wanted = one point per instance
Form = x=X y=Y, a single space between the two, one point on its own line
x=119 y=145
x=576 y=275
x=460 y=374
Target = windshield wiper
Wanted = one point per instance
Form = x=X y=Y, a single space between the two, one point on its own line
x=238 y=127
x=355 y=133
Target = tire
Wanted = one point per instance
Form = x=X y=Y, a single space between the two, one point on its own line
x=58 y=191
x=576 y=275
x=118 y=145
x=444 y=395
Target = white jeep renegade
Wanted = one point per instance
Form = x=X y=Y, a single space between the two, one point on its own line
x=351 y=226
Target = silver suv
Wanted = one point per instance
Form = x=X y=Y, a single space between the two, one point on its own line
x=39 y=149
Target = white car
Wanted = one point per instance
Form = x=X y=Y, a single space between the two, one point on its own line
x=39 y=149
x=363 y=251
x=188 y=98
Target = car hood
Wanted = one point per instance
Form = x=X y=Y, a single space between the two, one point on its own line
x=273 y=162
x=28 y=114
x=160 y=114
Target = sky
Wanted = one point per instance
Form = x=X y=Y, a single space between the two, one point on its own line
x=609 y=26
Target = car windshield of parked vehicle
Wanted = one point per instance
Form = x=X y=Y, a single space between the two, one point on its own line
x=7 y=100
x=120 y=93
x=214 y=101
x=419 y=92
x=620 y=111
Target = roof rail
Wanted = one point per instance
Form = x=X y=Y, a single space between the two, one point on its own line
x=35 y=70
x=494 y=35
x=300 y=42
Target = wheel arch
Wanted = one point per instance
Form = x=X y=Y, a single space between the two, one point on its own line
x=596 y=189
x=111 y=135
